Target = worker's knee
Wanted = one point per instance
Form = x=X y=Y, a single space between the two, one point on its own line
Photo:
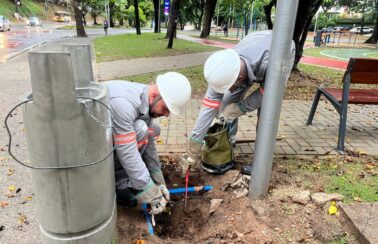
x=141 y=130
x=154 y=131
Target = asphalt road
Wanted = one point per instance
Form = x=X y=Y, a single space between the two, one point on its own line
x=23 y=37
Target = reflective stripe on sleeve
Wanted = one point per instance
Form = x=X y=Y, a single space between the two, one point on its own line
x=210 y=103
x=120 y=139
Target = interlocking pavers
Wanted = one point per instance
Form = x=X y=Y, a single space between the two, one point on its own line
x=297 y=138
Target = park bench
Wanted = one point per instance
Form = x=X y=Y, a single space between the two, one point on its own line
x=359 y=71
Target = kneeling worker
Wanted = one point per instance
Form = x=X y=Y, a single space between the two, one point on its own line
x=134 y=106
x=230 y=74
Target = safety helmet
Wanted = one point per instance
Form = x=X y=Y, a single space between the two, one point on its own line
x=222 y=69
x=175 y=90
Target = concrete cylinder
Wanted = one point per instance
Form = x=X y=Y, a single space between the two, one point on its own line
x=74 y=205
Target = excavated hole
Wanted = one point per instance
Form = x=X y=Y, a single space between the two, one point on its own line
x=184 y=222
x=180 y=221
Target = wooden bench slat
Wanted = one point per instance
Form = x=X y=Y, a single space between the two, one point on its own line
x=364 y=77
x=356 y=96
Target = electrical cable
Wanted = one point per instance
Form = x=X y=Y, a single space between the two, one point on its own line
x=51 y=167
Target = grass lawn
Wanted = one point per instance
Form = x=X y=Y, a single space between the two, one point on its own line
x=354 y=177
x=73 y=27
x=300 y=86
x=130 y=46
x=27 y=9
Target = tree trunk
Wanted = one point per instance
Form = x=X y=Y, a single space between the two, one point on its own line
x=111 y=14
x=268 y=12
x=137 y=20
x=95 y=20
x=121 y=22
x=374 y=37
x=306 y=11
x=201 y=14
x=156 y=15
x=173 y=19
x=209 y=13
x=80 y=30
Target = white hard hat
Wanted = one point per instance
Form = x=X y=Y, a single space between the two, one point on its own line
x=175 y=90
x=222 y=69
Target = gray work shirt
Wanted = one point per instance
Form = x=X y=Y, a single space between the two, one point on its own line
x=254 y=49
x=129 y=103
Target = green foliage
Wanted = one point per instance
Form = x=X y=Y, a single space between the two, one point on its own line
x=27 y=9
x=147 y=45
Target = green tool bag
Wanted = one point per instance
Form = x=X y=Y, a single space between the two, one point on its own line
x=217 y=155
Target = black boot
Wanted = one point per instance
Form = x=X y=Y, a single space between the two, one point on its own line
x=126 y=198
x=246 y=169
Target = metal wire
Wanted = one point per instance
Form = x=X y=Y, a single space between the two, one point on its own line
x=55 y=167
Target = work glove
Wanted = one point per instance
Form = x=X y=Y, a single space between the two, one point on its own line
x=231 y=112
x=157 y=177
x=191 y=158
x=155 y=196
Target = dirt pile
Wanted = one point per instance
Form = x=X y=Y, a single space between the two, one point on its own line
x=287 y=214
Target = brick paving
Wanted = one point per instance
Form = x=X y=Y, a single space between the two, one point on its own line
x=294 y=137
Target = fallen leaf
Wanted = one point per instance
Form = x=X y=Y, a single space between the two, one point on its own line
x=18 y=190
x=3 y=204
x=10 y=172
x=28 y=198
x=22 y=219
x=357 y=199
x=10 y=195
x=159 y=141
x=2 y=227
x=12 y=188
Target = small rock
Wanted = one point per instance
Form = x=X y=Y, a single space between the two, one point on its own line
x=321 y=198
x=278 y=230
x=239 y=182
x=302 y=197
x=228 y=178
x=239 y=193
x=214 y=205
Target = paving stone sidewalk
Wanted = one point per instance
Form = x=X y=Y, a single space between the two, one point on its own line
x=294 y=137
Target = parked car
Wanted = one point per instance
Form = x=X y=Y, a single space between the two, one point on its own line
x=5 y=25
x=34 y=21
x=365 y=30
x=338 y=28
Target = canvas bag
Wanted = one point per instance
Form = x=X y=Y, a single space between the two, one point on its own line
x=217 y=155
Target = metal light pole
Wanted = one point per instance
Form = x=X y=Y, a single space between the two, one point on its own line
x=272 y=99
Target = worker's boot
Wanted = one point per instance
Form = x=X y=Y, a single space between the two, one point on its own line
x=246 y=169
x=126 y=198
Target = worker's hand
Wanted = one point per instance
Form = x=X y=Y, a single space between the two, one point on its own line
x=157 y=177
x=231 y=112
x=165 y=192
x=187 y=162
x=154 y=196
x=191 y=158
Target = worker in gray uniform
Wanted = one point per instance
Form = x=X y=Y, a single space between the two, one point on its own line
x=133 y=107
x=230 y=73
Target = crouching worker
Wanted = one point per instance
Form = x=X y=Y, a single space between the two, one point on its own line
x=230 y=74
x=134 y=106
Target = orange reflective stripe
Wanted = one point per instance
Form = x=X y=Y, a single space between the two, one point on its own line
x=142 y=142
x=120 y=139
x=210 y=103
x=156 y=137
x=151 y=131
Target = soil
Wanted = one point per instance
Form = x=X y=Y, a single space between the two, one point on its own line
x=274 y=219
